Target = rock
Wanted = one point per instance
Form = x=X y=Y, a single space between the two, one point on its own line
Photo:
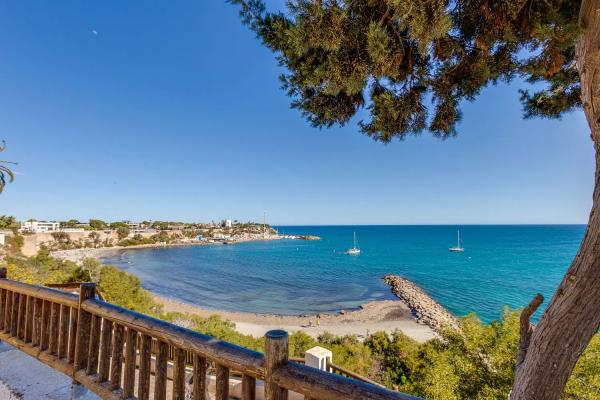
x=425 y=309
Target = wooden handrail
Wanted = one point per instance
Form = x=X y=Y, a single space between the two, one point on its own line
x=317 y=384
x=101 y=345
x=346 y=372
x=227 y=354
x=40 y=292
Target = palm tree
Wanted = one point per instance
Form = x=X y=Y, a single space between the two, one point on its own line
x=5 y=172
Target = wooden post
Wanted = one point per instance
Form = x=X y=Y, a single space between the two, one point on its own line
x=222 y=383
x=72 y=335
x=179 y=374
x=105 y=350
x=14 y=314
x=94 y=346
x=160 y=375
x=29 y=319
x=276 y=355
x=86 y=291
x=36 y=331
x=53 y=330
x=116 y=360
x=145 y=366
x=248 y=387
x=63 y=332
x=130 y=360
x=2 y=299
x=44 y=325
x=199 y=378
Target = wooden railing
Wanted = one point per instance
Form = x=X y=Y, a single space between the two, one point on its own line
x=108 y=349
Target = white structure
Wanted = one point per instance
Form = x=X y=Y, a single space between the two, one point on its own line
x=40 y=226
x=2 y=238
x=133 y=226
x=228 y=223
x=318 y=357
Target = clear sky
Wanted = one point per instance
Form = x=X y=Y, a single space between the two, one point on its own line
x=172 y=110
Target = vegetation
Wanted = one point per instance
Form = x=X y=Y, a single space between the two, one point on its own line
x=122 y=232
x=8 y=222
x=14 y=243
x=476 y=363
x=6 y=174
x=43 y=269
x=412 y=63
x=125 y=290
x=97 y=224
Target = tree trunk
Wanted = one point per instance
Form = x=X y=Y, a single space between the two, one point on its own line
x=573 y=315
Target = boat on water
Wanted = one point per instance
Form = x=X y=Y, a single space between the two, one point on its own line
x=457 y=248
x=354 y=250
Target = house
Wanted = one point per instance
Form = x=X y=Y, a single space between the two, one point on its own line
x=40 y=226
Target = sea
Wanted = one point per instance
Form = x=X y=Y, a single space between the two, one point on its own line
x=502 y=265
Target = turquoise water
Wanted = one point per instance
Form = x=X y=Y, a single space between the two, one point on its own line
x=501 y=265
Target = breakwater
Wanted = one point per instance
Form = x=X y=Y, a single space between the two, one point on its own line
x=425 y=309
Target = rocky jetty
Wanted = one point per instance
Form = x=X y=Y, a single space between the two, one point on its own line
x=425 y=309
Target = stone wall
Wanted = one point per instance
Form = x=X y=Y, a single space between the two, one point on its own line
x=425 y=309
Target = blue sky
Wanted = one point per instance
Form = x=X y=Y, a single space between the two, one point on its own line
x=173 y=111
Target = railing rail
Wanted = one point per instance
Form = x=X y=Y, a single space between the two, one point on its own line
x=112 y=351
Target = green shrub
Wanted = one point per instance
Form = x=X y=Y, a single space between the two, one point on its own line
x=123 y=289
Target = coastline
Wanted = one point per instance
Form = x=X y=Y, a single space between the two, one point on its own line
x=77 y=255
x=415 y=313
x=382 y=315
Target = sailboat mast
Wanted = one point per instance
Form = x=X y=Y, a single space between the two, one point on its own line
x=458 y=236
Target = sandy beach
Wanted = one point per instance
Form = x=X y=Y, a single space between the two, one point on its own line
x=387 y=315
x=77 y=255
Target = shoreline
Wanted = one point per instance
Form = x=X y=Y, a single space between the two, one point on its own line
x=415 y=313
x=77 y=255
x=380 y=315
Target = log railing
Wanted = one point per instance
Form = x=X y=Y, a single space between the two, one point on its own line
x=109 y=350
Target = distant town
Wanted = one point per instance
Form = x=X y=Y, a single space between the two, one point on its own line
x=32 y=235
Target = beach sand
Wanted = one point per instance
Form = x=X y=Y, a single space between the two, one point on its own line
x=387 y=315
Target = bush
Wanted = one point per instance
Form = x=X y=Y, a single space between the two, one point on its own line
x=123 y=289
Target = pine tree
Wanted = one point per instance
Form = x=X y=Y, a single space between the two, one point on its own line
x=393 y=56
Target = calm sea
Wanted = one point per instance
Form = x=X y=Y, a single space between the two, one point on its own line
x=501 y=265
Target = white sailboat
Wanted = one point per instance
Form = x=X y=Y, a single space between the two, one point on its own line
x=354 y=250
x=457 y=248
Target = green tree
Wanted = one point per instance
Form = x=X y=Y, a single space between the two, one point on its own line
x=392 y=56
x=6 y=174
x=95 y=236
x=15 y=243
x=72 y=223
x=97 y=224
x=61 y=237
x=116 y=225
x=123 y=289
x=8 y=222
x=122 y=232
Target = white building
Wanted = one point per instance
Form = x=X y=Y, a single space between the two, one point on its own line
x=2 y=238
x=228 y=223
x=40 y=226
x=134 y=226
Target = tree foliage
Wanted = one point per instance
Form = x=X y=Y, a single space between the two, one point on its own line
x=125 y=290
x=477 y=363
x=97 y=224
x=6 y=174
x=8 y=222
x=411 y=62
